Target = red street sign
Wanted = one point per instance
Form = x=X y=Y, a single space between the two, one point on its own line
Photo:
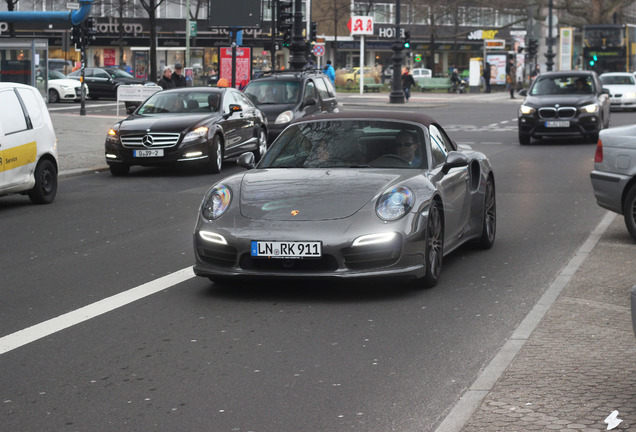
x=319 y=50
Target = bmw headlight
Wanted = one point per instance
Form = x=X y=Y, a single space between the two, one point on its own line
x=526 y=109
x=284 y=117
x=216 y=202
x=200 y=132
x=590 y=109
x=629 y=95
x=394 y=203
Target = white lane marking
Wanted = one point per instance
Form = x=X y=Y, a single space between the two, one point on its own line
x=77 y=107
x=470 y=401
x=54 y=325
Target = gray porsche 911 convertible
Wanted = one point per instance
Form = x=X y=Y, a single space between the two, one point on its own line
x=348 y=195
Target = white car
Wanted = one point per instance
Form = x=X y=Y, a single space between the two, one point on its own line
x=622 y=88
x=28 y=147
x=419 y=74
x=61 y=88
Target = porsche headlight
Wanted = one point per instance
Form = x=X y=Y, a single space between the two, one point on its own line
x=394 y=203
x=526 y=109
x=590 y=109
x=200 y=132
x=284 y=117
x=216 y=202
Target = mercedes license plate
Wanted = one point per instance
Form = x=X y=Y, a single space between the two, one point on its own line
x=148 y=153
x=557 y=124
x=286 y=249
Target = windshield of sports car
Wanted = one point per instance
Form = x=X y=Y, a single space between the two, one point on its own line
x=348 y=144
x=272 y=92
x=563 y=85
x=181 y=102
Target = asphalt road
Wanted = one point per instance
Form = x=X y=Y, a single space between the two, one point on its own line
x=277 y=357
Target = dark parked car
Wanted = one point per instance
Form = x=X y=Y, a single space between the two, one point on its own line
x=564 y=104
x=103 y=82
x=187 y=125
x=285 y=96
x=348 y=195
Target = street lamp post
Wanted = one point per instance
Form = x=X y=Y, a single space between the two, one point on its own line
x=298 y=60
x=550 y=54
x=397 y=95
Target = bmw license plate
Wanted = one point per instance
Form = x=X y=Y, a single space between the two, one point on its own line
x=557 y=124
x=287 y=249
x=148 y=153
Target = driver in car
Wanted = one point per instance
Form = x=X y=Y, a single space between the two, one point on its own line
x=406 y=144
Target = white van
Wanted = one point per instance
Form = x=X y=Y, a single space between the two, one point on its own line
x=28 y=147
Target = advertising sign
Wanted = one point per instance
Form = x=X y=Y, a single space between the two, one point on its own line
x=497 y=68
x=243 y=65
x=110 y=58
x=566 y=42
x=361 y=25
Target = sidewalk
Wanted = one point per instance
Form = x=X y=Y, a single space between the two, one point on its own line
x=579 y=363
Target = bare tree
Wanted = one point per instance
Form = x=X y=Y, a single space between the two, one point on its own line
x=582 y=12
x=333 y=13
x=151 y=6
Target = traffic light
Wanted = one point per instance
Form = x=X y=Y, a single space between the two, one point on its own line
x=284 y=20
x=313 y=31
x=532 y=47
x=594 y=60
x=89 y=32
x=407 y=39
x=76 y=37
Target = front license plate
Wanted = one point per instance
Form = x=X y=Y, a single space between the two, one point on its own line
x=148 y=153
x=277 y=249
x=557 y=124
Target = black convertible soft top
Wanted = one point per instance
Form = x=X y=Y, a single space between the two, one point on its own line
x=373 y=115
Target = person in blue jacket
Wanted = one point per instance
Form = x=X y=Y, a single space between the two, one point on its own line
x=330 y=72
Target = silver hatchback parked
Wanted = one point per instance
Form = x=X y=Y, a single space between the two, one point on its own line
x=614 y=174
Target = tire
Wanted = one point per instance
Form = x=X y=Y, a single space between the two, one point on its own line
x=45 y=187
x=629 y=210
x=434 y=246
x=119 y=170
x=262 y=145
x=489 y=224
x=524 y=139
x=54 y=96
x=215 y=156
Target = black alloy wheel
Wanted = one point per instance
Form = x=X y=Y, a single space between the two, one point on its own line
x=261 y=145
x=489 y=225
x=215 y=156
x=434 y=246
x=54 y=96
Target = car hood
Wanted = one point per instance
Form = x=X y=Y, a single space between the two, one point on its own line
x=315 y=194
x=561 y=100
x=164 y=123
x=620 y=88
x=65 y=82
x=272 y=111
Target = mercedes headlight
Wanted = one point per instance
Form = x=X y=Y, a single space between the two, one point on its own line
x=284 y=117
x=394 y=203
x=590 y=109
x=200 y=132
x=216 y=202
x=113 y=135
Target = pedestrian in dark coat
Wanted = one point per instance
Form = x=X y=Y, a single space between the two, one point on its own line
x=407 y=82
x=166 y=81
x=177 y=77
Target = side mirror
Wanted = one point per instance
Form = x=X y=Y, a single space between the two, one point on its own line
x=605 y=91
x=310 y=101
x=246 y=160
x=455 y=159
x=234 y=108
x=523 y=92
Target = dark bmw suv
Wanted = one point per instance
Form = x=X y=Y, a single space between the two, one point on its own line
x=284 y=96
x=564 y=104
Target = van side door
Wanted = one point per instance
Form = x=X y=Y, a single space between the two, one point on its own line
x=18 y=146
